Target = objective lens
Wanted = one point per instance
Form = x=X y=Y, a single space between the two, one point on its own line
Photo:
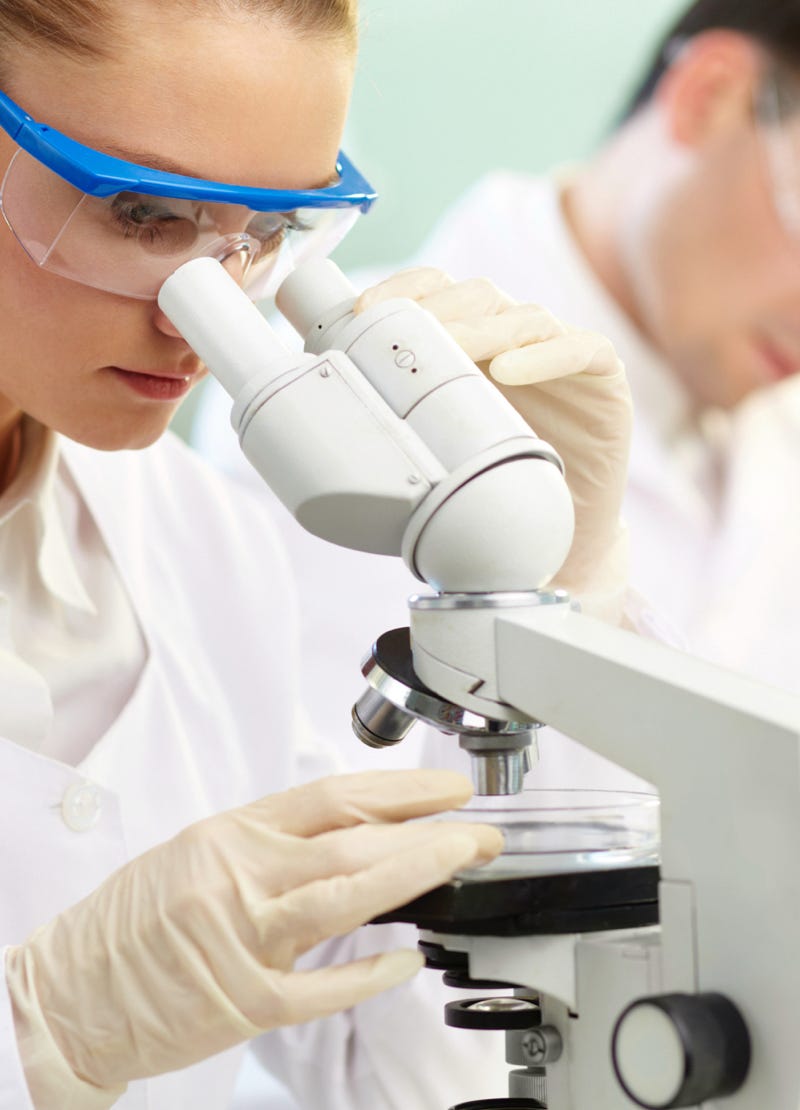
x=377 y=723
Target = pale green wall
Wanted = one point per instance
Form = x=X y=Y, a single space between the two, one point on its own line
x=448 y=89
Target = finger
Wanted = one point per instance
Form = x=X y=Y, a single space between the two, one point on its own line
x=571 y=353
x=485 y=337
x=346 y=851
x=372 y=796
x=414 y=283
x=464 y=300
x=306 y=995
x=331 y=907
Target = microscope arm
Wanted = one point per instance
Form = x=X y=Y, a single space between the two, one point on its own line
x=724 y=753
x=721 y=974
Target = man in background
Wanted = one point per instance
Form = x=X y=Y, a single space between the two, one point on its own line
x=680 y=240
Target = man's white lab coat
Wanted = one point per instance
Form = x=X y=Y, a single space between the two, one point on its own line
x=213 y=723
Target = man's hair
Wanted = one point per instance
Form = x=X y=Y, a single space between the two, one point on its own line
x=775 y=24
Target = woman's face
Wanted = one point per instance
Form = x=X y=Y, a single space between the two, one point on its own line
x=231 y=99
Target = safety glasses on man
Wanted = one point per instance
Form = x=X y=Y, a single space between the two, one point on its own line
x=124 y=228
x=777 y=115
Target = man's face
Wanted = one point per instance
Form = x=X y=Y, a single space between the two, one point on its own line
x=715 y=274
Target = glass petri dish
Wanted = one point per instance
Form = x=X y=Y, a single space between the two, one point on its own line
x=553 y=832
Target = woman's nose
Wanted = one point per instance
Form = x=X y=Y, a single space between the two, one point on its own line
x=163 y=322
x=236 y=260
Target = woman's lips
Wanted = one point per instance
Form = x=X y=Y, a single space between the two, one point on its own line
x=155 y=385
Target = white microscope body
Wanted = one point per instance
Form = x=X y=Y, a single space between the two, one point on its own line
x=386 y=438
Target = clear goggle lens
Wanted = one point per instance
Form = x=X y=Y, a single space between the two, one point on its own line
x=129 y=243
x=777 y=112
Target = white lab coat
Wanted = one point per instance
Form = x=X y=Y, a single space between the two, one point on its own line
x=213 y=723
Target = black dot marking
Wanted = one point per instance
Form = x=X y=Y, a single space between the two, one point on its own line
x=395 y=347
x=414 y=370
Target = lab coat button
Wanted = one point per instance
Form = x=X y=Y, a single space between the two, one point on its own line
x=81 y=806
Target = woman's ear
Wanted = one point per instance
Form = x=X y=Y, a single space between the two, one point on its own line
x=709 y=86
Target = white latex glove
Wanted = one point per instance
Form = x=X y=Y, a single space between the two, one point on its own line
x=571 y=389
x=189 y=949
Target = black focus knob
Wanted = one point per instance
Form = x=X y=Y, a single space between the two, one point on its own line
x=678 y=1050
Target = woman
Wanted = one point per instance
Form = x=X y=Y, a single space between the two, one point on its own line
x=147 y=678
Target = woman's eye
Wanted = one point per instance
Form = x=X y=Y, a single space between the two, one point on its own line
x=153 y=226
x=270 y=228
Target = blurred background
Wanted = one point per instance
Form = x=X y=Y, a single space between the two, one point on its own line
x=449 y=89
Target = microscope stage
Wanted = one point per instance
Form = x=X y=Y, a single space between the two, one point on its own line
x=584 y=902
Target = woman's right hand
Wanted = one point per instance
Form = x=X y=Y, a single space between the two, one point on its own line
x=189 y=949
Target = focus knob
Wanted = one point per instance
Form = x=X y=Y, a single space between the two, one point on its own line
x=680 y=1050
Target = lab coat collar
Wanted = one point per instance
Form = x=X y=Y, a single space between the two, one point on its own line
x=35 y=487
x=654 y=387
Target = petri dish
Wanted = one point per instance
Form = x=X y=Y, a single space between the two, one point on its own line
x=553 y=832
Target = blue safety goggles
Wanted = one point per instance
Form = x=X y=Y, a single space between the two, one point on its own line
x=124 y=228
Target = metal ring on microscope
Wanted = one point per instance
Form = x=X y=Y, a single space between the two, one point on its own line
x=424 y=704
x=513 y=599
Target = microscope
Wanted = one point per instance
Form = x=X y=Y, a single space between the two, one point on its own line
x=661 y=972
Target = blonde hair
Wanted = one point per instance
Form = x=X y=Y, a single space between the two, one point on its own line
x=85 y=28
